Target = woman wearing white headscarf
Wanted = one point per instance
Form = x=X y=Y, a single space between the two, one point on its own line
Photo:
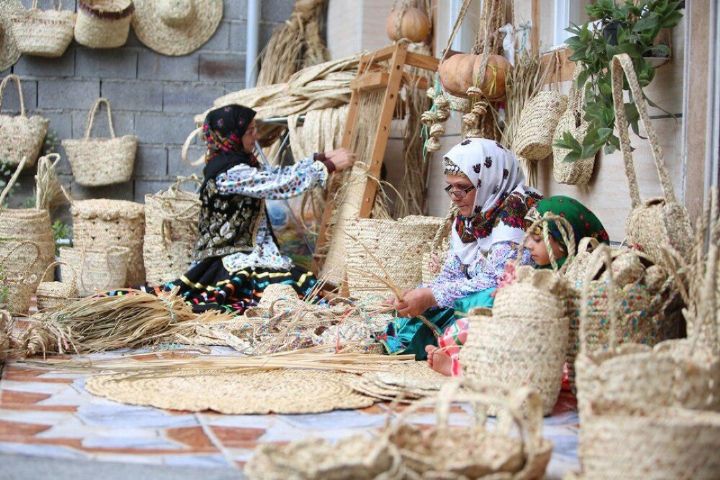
x=487 y=186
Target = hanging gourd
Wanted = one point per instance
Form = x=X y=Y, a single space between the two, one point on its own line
x=458 y=74
x=407 y=22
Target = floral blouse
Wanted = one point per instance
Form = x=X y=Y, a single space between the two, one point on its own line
x=456 y=281
x=274 y=183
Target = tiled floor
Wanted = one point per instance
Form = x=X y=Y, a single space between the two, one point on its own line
x=51 y=415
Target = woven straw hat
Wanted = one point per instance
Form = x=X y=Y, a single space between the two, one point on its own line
x=9 y=53
x=176 y=27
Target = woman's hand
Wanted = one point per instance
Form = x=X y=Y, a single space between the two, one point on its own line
x=415 y=302
x=342 y=158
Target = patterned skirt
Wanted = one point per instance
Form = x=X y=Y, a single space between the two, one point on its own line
x=209 y=286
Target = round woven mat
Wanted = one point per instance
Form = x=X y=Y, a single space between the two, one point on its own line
x=274 y=391
x=9 y=53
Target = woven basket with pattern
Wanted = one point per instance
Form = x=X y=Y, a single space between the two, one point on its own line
x=97 y=270
x=103 y=23
x=20 y=136
x=101 y=161
x=43 y=33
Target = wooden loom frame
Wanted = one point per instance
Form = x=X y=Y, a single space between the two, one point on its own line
x=372 y=76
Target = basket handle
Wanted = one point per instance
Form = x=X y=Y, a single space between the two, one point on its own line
x=72 y=282
x=603 y=251
x=186 y=147
x=4 y=83
x=91 y=117
x=12 y=181
x=619 y=64
x=566 y=232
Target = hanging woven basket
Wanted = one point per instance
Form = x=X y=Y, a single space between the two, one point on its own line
x=103 y=23
x=101 y=161
x=538 y=120
x=20 y=136
x=43 y=33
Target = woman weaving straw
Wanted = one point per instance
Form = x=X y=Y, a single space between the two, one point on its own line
x=486 y=184
x=236 y=255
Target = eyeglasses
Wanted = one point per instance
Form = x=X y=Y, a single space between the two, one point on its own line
x=458 y=193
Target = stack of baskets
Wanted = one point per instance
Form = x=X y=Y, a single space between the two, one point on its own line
x=385 y=253
x=100 y=224
x=170 y=233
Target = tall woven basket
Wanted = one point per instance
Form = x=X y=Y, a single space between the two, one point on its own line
x=103 y=23
x=572 y=121
x=170 y=233
x=387 y=252
x=101 y=161
x=99 y=224
x=20 y=136
x=43 y=33
x=523 y=342
x=97 y=270
x=658 y=222
x=18 y=275
x=538 y=120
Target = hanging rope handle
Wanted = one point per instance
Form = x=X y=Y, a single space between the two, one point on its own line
x=456 y=27
x=566 y=232
x=12 y=181
x=91 y=117
x=620 y=63
x=186 y=148
x=73 y=277
x=603 y=251
x=4 y=83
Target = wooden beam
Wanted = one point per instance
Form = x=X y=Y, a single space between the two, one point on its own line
x=567 y=66
x=369 y=81
x=379 y=55
x=419 y=60
x=535 y=30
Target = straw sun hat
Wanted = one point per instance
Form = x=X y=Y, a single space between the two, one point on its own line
x=9 y=53
x=176 y=27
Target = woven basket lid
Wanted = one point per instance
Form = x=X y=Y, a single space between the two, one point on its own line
x=9 y=53
x=176 y=27
x=107 y=209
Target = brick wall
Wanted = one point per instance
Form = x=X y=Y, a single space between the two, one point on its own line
x=153 y=96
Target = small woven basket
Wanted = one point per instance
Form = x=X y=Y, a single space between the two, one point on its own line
x=513 y=449
x=97 y=270
x=524 y=341
x=43 y=33
x=387 y=252
x=18 y=275
x=99 y=224
x=659 y=222
x=54 y=294
x=170 y=232
x=101 y=161
x=572 y=121
x=103 y=23
x=538 y=120
x=20 y=136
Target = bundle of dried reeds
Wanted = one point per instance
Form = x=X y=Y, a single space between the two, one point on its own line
x=129 y=320
x=295 y=44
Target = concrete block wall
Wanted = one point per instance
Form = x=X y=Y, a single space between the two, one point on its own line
x=153 y=96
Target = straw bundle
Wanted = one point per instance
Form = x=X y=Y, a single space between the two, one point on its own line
x=321 y=131
x=99 y=224
x=295 y=44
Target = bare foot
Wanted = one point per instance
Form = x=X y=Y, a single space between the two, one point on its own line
x=430 y=350
x=441 y=363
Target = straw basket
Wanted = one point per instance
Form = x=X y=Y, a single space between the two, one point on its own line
x=56 y=294
x=572 y=121
x=97 y=271
x=475 y=451
x=659 y=222
x=101 y=161
x=17 y=269
x=20 y=136
x=433 y=259
x=101 y=223
x=44 y=33
x=170 y=232
x=103 y=23
x=662 y=444
x=384 y=252
x=538 y=120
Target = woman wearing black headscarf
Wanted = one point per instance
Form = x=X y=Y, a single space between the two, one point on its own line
x=236 y=255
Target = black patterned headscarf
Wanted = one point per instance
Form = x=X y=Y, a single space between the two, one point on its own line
x=223 y=130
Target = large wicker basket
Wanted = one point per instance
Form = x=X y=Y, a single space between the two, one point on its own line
x=101 y=161
x=18 y=275
x=20 y=136
x=97 y=270
x=101 y=223
x=538 y=120
x=170 y=233
x=103 y=23
x=44 y=33
x=387 y=252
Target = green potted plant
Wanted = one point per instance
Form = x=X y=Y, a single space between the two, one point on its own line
x=630 y=27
